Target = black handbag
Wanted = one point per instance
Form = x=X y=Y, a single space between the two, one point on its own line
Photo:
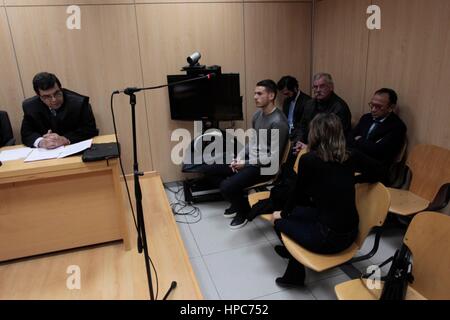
x=399 y=276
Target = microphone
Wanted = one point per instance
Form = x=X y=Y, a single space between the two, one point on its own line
x=128 y=91
x=132 y=90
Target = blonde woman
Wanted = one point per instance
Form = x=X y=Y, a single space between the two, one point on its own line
x=321 y=213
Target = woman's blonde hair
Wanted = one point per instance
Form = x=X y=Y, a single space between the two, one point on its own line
x=326 y=138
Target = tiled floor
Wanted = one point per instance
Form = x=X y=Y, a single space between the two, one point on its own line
x=241 y=264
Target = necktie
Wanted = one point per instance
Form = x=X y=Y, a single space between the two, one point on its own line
x=372 y=128
x=53 y=121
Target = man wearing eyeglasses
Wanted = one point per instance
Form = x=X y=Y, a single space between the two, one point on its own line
x=324 y=101
x=56 y=116
x=380 y=134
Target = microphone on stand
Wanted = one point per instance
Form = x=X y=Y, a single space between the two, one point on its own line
x=141 y=233
x=130 y=90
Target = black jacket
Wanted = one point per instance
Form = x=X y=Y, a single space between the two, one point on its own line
x=334 y=104
x=384 y=142
x=330 y=188
x=74 y=119
x=298 y=112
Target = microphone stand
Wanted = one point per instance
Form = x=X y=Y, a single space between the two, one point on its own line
x=141 y=234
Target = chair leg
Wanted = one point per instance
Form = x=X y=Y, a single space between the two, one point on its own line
x=350 y=270
x=372 y=252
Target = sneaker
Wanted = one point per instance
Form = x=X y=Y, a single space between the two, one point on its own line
x=230 y=212
x=283 y=282
x=282 y=251
x=238 y=222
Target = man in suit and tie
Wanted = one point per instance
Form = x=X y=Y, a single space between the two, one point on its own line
x=380 y=134
x=294 y=103
x=56 y=116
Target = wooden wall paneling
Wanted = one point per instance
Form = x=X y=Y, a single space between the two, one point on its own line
x=63 y=2
x=411 y=54
x=99 y=58
x=340 y=48
x=277 y=0
x=277 y=43
x=168 y=34
x=11 y=93
x=182 y=1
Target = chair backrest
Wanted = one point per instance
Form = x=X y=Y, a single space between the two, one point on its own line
x=372 y=201
x=428 y=239
x=6 y=133
x=299 y=155
x=402 y=153
x=287 y=149
x=430 y=169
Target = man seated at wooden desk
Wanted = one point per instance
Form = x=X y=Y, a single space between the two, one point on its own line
x=56 y=116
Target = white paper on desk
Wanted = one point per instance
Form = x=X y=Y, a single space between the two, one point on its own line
x=75 y=148
x=44 y=154
x=14 y=154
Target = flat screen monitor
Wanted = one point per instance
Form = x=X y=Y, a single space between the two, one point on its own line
x=217 y=99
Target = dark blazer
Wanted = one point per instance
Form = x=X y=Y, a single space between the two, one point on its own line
x=298 y=111
x=384 y=142
x=74 y=119
x=334 y=104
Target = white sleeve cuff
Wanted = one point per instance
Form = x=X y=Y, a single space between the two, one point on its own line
x=36 y=143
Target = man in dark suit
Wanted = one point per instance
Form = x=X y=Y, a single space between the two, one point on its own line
x=56 y=116
x=380 y=134
x=294 y=103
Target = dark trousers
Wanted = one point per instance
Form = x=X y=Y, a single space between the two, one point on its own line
x=303 y=227
x=232 y=185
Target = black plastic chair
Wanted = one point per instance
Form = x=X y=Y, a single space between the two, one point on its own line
x=6 y=133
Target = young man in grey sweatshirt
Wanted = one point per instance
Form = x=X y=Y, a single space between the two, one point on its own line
x=260 y=159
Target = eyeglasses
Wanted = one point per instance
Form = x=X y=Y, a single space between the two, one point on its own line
x=48 y=97
x=376 y=106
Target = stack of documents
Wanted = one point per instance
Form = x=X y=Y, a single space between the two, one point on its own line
x=61 y=152
x=14 y=154
x=31 y=154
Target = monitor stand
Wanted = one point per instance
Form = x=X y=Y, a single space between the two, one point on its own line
x=198 y=190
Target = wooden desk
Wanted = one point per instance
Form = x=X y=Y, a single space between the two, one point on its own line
x=59 y=204
x=108 y=271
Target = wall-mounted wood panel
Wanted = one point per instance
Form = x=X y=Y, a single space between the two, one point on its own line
x=99 y=58
x=277 y=0
x=11 y=94
x=63 y=2
x=411 y=54
x=277 y=43
x=169 y=33
x=340 y=48
x=183 y=1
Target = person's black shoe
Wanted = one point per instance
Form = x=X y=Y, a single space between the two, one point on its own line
x=294 y=276
x=230 y=212
x=238 y=222
x=288 y=283
x=282 y=252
